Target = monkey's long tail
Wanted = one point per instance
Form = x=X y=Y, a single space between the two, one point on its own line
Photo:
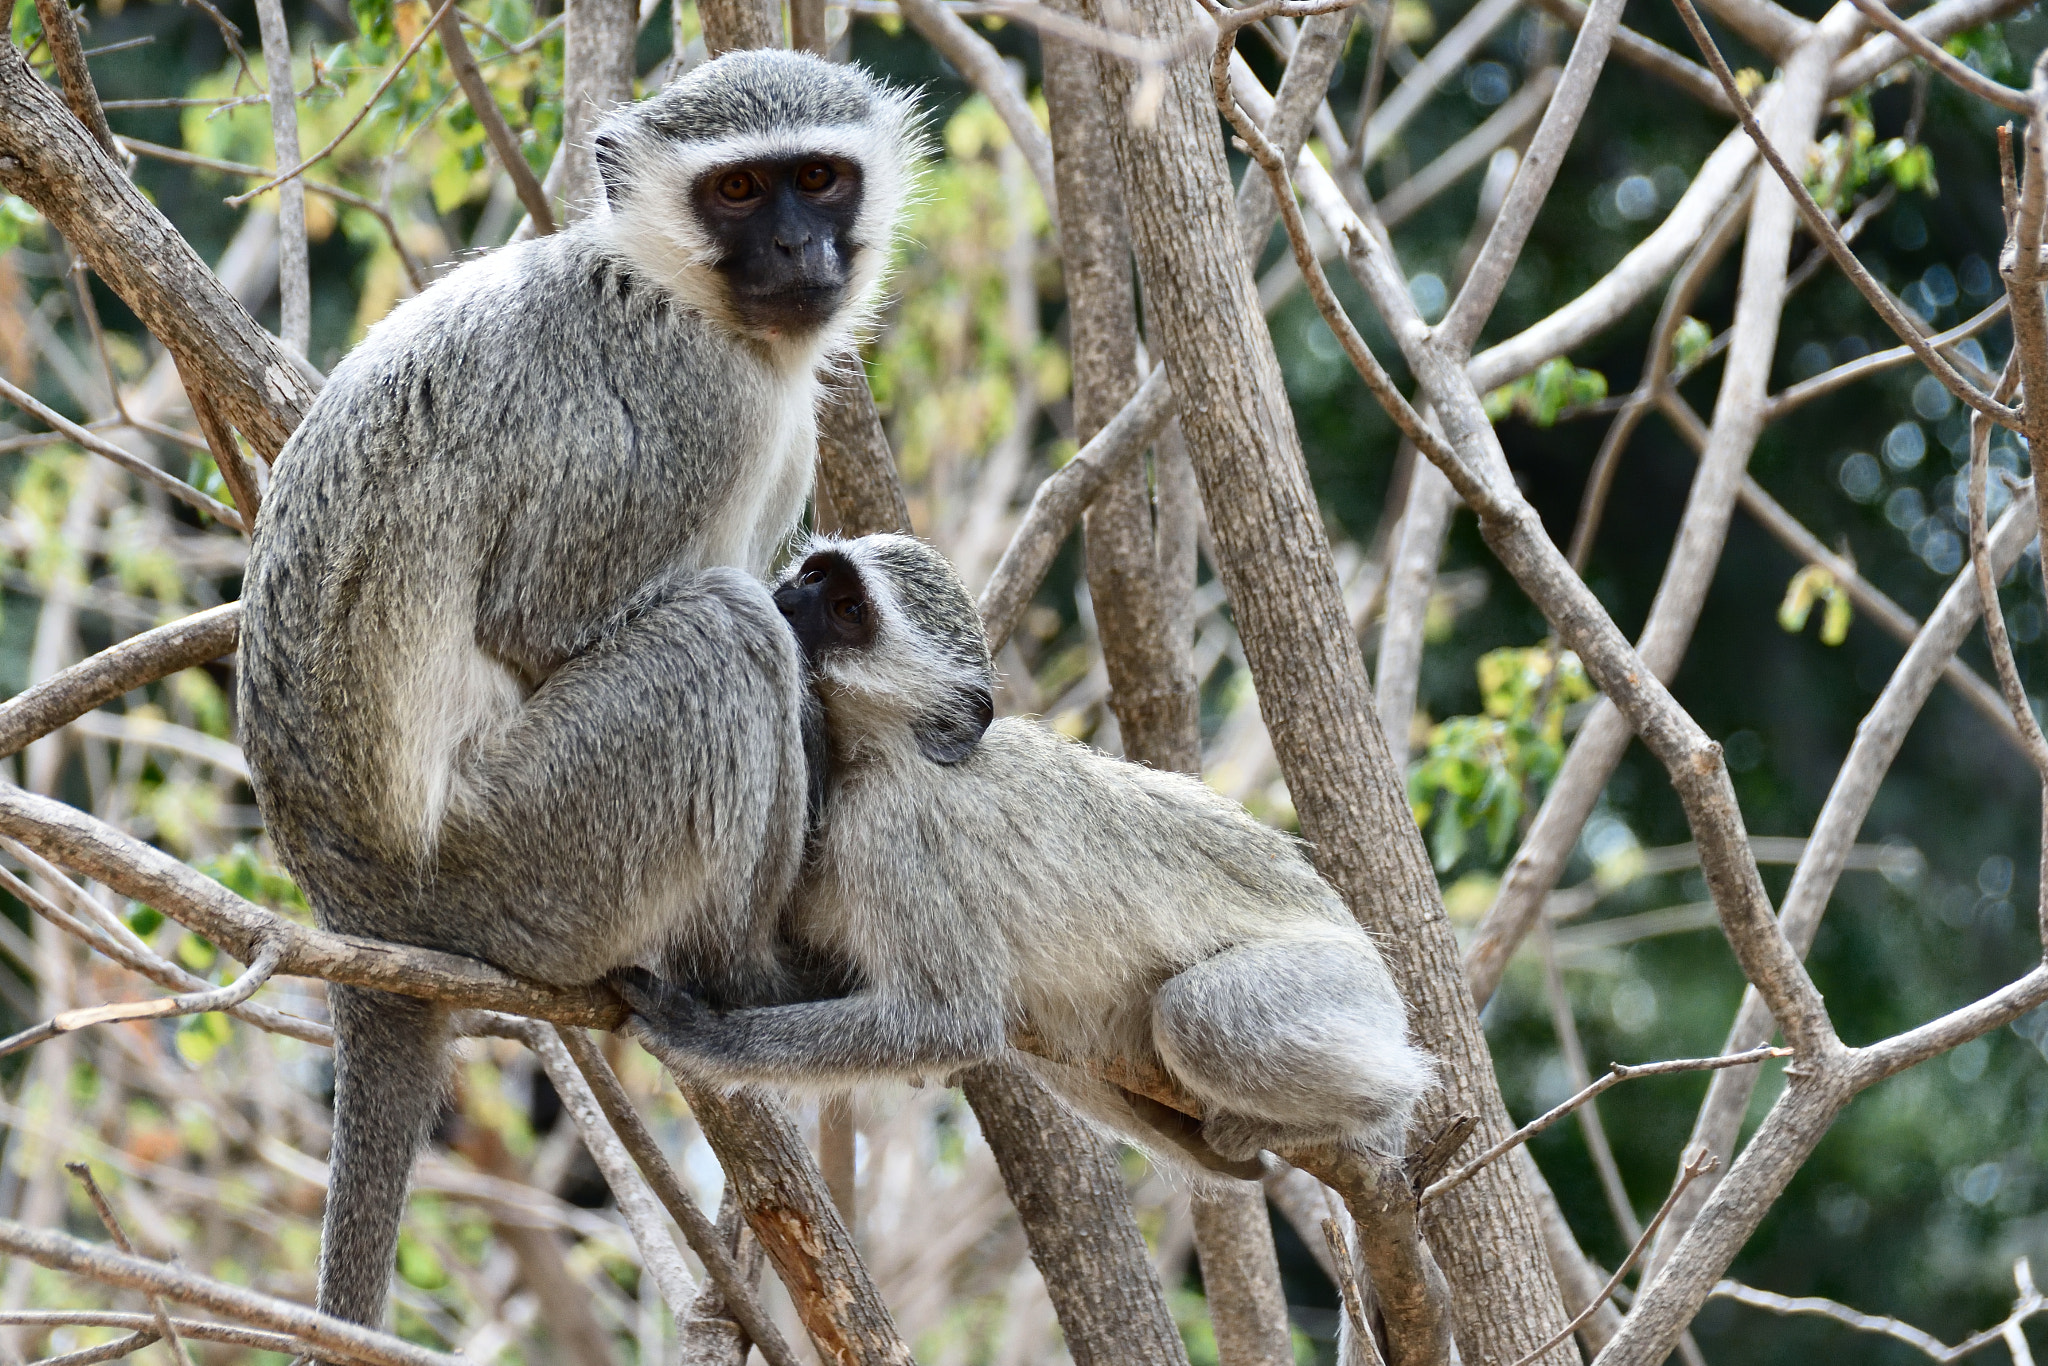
x=390 y=1072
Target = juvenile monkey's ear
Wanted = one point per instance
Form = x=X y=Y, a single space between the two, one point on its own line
x=948 y=737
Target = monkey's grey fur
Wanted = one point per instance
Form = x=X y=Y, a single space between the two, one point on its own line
x=511 y=685
x=1111 y=910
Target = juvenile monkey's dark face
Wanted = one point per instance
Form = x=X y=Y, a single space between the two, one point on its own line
x=785 y=233
x=826 y=604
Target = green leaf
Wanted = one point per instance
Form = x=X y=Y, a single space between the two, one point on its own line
x=200 y=1037
x=1689 y=343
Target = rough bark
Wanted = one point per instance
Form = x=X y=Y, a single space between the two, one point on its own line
x=1145 y=645
x=791 y=1212
x=709 y=1335
x=1241 y=1276
x=1070 y=1196
x=1202 y=307
x=735 y=25
x=858 y=490
x=48 y=159
x=597 y=76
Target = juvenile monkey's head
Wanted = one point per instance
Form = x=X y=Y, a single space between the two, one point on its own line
x=894 y=641
x=764 y=188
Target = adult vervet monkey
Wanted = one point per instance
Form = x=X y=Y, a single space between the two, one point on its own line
x=511 y=684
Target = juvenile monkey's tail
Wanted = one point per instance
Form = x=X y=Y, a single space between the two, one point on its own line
x=390 y=1073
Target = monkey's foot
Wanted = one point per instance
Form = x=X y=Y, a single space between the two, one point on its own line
x=666 y=1016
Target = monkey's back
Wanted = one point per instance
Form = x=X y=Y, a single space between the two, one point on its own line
x=482 y=486
x=1095 y=879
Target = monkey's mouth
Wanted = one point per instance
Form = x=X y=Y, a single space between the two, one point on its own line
x=792 y=310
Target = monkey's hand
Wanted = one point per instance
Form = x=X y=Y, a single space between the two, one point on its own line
x=667 y=1016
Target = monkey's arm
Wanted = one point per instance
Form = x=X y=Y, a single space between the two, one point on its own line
x=870 y=1033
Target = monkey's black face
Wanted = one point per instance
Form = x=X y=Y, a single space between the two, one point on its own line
x=784 y=229
x=827 y=607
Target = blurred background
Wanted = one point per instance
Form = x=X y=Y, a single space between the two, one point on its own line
x=211 y=1136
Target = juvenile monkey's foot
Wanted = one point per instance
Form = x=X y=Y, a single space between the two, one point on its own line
x=667 y=1017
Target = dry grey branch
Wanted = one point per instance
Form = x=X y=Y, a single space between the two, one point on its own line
x=49 y=160
x=60 y=35
x=1823 y=229
x=1697 y=1163
x=126 y=459
x=61 y=1252
x=2030 y=1303
x=119 y=669
x=698 y=1231
x=485 y=106
x=164 y=1327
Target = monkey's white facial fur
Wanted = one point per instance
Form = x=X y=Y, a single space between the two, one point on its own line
x=711 y=192
x=894 y=640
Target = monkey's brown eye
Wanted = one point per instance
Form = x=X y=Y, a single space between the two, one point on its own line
x=851 y=610
x=815 y=177
x=735 y=187
x=810 y=578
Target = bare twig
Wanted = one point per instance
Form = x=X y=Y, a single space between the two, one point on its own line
x=164 y=1327
x=197 y=1003
x=60 y=33
x=427 y=31
x=1824 y=230
x=1964 y=75
x=1617 y=1072
x=127 y=460
x=2032 y=743
x=232 y=1334
x=1058 y=503
x=294 y=280
x=235 y=472
x=485 y=105
x=63 y=1253
x=1698 y=1162
x=1348 y=1293
x=415 y=269
x=1489 y=274
x=975 y=58
x=1646 y=55
x=740 y=1299
x=118 y=949
x=2029 y=1303
x=1793 y=396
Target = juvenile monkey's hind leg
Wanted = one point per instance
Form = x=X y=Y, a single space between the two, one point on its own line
x=1292 y=1041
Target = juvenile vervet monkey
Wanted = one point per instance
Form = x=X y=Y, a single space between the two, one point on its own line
x=984 y=878
x=511 y=683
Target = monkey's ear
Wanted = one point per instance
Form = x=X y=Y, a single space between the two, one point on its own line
x=950 y=736
x=610 y=153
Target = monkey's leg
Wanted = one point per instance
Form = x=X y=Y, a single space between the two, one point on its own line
x=853 y=1038
x=647 y=798
x=390 y=1074
x=1291 y=1041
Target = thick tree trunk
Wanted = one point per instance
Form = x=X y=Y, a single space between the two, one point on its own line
x=1140 y=607
x=597 y=77
x=1069 y=1193
x=1203 y=311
